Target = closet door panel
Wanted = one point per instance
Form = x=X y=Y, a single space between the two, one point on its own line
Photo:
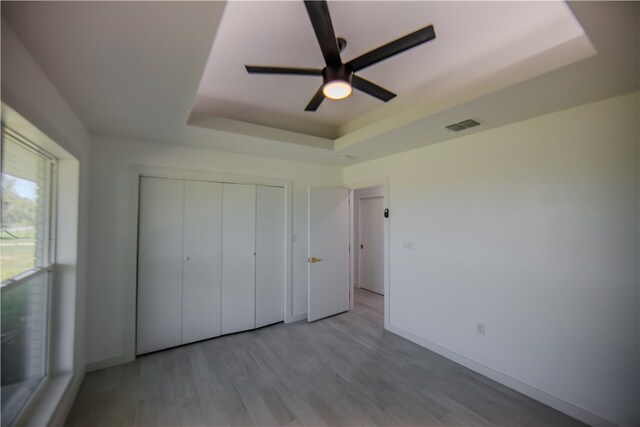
x=159 y=317
x=238 y=259
x=201 y=293
x=270 y=255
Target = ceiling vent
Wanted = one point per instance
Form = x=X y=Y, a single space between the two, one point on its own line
x=465 y=124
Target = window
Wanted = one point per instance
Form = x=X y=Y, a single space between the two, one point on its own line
x=25 y=269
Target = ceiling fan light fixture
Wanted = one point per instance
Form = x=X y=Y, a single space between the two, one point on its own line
x=337 y=82
x=337 y=89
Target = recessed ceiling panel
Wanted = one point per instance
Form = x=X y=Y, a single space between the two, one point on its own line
x=277 y=33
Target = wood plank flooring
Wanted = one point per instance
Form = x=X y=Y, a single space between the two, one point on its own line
x=345 y=370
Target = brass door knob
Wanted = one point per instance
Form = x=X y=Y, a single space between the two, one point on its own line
x=313 y=260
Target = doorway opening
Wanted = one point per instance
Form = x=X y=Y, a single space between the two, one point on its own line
x=368 y=257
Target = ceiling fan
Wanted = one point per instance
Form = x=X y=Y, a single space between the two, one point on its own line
x=338 y=78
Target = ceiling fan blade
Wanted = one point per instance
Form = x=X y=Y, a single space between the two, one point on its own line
x=371 y=88
x=393 y=48
x=321 y=21
x=259 y=69
x=315 y=101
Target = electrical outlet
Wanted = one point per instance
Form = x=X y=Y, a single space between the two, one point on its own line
x=410 y=246
x=480 y=328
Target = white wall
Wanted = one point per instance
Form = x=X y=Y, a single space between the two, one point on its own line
x=112 y=159
x=357 y=195
x=531 y=228
x=34 y=107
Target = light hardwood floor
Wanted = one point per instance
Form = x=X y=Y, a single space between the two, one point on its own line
x=345 y=370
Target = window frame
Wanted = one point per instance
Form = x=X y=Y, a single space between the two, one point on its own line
x=47 y=255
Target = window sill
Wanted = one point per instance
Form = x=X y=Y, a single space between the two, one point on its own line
x=42 y=408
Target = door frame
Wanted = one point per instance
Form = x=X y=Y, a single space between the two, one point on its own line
x=130 y=272
x=377 y=182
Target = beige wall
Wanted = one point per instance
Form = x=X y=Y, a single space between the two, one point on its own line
x=532 y=229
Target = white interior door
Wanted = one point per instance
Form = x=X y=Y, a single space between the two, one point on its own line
x=328 y=264
x=238 y=257
x=372 y=244
x=270 y=255
x=159 y=318
x=201 y=280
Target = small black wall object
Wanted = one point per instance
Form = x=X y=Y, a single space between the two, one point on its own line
x=386 y=213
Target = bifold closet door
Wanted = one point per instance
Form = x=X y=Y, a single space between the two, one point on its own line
x=160 y=264
x=270 y=255
x=238 y=257
x=202 y=261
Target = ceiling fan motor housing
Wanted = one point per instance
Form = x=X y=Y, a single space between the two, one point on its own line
x=330 y=74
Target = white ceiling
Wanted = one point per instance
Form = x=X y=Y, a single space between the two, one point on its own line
x=132 y=69
x=279 y=33
x=124 y=67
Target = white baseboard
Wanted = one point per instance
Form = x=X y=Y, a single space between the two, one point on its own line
x=108 y=362
x=529 y=391
x=297 y=317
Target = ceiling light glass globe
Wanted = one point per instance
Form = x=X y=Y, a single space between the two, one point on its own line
x=337 y=89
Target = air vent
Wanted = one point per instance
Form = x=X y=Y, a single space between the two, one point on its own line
x=469 y=123
x=465 y=124
x=455 y=127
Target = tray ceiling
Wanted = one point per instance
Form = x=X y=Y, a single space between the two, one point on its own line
x=473 y=39
x=133 y=69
